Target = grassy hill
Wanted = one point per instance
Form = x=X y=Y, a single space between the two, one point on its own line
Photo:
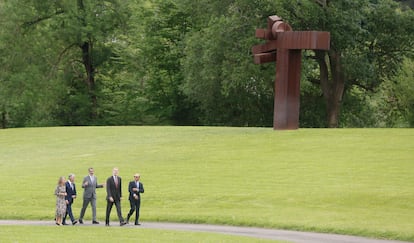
x=350 y=181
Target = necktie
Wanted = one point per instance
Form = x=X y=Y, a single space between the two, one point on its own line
x=116 y=181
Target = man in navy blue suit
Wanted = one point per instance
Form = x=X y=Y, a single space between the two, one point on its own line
x=135 y=189
x=70 y=196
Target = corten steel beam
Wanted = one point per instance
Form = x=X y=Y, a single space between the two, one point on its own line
x=287 y=90
x=315 y=40
x=285 y=47
x=265 y=57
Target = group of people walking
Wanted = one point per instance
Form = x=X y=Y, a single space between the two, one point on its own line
x=66 y=193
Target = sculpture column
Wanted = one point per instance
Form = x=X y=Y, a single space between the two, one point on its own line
x=285 y=47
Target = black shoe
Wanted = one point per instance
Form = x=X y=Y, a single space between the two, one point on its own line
x=122 y=223
x=95 y=222
x=137 y=224
x=74 y=222
x=65 y=224
x=80 y=221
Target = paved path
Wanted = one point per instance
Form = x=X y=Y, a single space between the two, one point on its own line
x=283 y=235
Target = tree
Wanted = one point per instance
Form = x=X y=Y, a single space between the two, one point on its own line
x=25 y=96
x=394 y=101
x=369 y=40
x=82 y=33
x=188 y=62
x=409 y=3
x=220 y=75
x=163 y=26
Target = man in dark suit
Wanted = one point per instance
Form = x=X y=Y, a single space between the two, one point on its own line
x=70 y=196
x=135 y=189
x=114 y=195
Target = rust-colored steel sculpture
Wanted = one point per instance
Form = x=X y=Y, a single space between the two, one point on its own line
x=285 y=47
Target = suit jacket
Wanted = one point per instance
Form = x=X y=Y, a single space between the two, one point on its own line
x=90 y=189
x=70 y=192
x=112 y=190
x=131 y=186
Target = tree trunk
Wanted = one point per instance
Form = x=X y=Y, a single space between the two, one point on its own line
x=332 y=85
x=87 y=48
x=90 y=75
x=3 y=120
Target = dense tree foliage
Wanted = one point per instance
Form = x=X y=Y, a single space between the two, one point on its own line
x=184 y=62
x=363 y=52
x=219 y=73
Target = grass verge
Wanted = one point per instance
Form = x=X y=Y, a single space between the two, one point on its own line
x=348 y=181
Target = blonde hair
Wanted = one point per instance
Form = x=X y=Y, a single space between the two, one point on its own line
x=61 y=181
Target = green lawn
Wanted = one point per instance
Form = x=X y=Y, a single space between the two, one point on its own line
x=350 y=181
x=45 y=234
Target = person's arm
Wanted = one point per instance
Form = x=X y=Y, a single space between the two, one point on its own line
x=120 y=188
x=130 y=189
x=58 y=193
x=67 y=195
x=85 y=182
x=74 y=191
x=98 y=185
x=141 y=188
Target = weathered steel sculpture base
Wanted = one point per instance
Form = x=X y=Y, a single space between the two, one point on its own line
x=285 y=47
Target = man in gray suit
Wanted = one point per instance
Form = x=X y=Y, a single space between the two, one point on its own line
x=90 y=183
